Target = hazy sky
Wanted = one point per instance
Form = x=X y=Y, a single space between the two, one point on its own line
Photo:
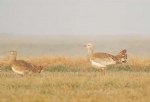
x=75 y=16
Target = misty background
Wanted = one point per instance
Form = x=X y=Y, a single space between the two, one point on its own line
x=62 y=27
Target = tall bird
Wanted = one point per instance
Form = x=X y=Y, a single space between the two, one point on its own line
x=22 y=67
x=101 y=60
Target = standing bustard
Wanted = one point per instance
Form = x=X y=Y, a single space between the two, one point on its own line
x=22 y=67
x=100 y=60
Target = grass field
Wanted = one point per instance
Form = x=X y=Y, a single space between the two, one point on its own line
x=119 y=86
x=68 y=76
x=72 y=79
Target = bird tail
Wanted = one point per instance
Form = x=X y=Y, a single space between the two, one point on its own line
x=37 y=69
x=122 y=56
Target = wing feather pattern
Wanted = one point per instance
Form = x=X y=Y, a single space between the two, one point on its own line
x=104 y=58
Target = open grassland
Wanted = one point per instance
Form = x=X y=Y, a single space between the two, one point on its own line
x=120 y=86
x=72 y=79
x=69 y=77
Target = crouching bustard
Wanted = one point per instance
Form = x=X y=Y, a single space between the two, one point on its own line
x=22 y=67
x=100 y=60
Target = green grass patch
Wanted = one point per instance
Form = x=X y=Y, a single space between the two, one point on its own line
x=6 y=68
x=60 y=68
x=127 y=68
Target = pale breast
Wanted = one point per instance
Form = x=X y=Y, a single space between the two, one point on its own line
x=17 y=71
x=95 y=64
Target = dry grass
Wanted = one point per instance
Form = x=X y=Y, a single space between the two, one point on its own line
x=133 y=63
x=123 y=83
x=75 y=87
x=139 y=62
x=49 y=61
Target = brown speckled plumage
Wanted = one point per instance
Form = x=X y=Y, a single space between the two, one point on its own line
x=22 y=67
x=100 y=60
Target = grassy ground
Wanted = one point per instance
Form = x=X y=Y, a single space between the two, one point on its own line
x=66 y=79
x=90 y=86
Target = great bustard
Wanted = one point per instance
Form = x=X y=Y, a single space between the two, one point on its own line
x=101 y=60
x=22 y=67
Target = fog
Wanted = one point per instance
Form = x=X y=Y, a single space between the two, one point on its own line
x=62 y=27
x=73 y=45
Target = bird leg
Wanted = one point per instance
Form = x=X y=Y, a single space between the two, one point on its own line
x=102 y=71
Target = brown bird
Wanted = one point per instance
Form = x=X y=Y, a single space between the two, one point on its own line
x=22 y=67
x=101 y=60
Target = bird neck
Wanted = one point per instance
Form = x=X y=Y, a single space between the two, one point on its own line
x=13 y=58
x=89 y=55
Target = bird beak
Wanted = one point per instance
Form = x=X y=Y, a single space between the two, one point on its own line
x=84 y=45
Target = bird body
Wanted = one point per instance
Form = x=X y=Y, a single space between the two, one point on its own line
x=101 y=60
x=22 y=67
